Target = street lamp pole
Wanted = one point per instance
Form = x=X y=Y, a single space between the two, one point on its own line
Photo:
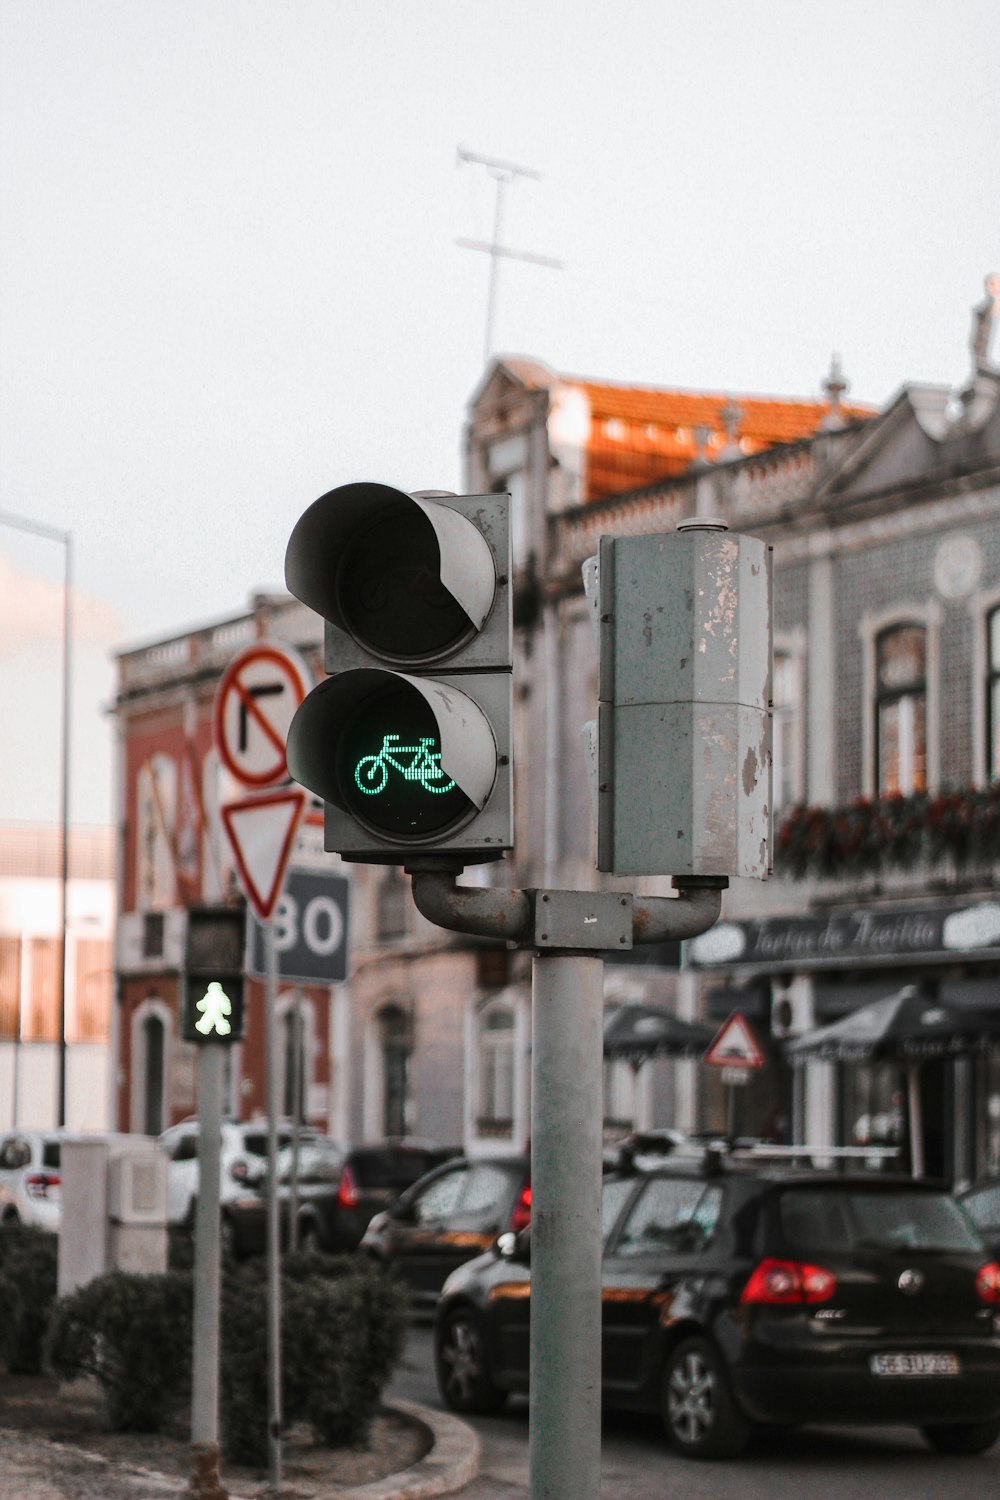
x=65 y=539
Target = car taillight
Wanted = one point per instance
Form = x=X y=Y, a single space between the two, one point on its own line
x=521 y=1217
x=779 y=1282
x=988 y=1282
x=39 y=1183
x=347 y=1192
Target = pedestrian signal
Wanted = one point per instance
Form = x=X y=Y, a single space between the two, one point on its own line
x=213 y=978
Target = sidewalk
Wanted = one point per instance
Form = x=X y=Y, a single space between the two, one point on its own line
x=36 y=1468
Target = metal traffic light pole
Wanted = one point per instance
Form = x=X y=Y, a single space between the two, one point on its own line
x=410 y=744
x=570 y=931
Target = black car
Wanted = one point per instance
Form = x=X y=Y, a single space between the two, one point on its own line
x=339 y=1189
x=448 y=1217
x=982 y=1203
x=736 y=1296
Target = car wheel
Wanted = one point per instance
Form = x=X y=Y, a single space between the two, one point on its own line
x=699 y=1414
x=309 y=1240
x=460 y=1359
x=961 y=1437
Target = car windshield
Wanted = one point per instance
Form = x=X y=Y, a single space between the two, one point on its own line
x=316 y=1163
x=391 y=1169
x=842 y=1219
x=50 y=1154
x=984 y=1207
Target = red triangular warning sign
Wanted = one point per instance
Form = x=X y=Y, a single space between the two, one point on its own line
x=735 y=1046
x=261 y=831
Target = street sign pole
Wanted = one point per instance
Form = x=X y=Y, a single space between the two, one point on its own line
x=274 y=1413
x=297 y=1110
x=205 y=1483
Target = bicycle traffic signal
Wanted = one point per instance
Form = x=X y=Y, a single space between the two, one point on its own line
x=409 y=741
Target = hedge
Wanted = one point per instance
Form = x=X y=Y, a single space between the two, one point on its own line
x=28 y=1274
x=343 y=1328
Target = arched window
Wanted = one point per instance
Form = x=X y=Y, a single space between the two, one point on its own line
x=154 y=1046
x=395 y=1038
x=993 y=696
x=901 y=709
x=151 y=1030
x=495 y=1103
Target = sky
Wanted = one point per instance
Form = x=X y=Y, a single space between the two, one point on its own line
x=229 y=278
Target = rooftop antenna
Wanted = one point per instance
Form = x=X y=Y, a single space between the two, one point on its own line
x=503 y=173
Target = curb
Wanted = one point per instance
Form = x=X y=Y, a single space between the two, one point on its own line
x=449 y=1466
x=451 y=1463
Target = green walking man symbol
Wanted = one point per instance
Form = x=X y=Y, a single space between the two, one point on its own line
x=216 y=1008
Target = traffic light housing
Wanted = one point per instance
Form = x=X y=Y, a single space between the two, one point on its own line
x=214 y=959
x=408 y=742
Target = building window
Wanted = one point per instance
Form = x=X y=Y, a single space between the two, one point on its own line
x=154 y=1056
x=42 y=1021
x=10 y=988
x=993 y=696
x=495 y=1105
x=93 y=990
x=901 y=710
x=392 y=906
x=394 y=1031
x=783 y=698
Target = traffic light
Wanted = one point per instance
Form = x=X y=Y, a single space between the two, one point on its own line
x=409 y=741
x=684 y=728
x=212 y=1008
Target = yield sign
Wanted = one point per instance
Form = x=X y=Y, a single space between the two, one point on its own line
x=256 y=698
x=261 y=831
x=735 y=1046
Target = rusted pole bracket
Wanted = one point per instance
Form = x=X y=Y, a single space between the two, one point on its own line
x=571 y=921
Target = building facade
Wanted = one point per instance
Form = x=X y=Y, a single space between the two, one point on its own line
x=31 y=976
x=886 y=535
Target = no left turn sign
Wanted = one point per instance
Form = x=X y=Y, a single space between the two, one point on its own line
x=256 y=699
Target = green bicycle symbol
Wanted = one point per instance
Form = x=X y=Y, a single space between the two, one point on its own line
x=372 y=771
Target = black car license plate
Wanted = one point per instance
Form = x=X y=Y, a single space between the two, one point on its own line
x=915 y=1364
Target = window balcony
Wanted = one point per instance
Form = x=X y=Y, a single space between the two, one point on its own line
x=951 y=833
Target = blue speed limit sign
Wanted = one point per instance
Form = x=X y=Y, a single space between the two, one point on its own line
x=310 y=930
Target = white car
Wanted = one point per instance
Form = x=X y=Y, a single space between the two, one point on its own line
x=244 y=1157
x=30 y=1172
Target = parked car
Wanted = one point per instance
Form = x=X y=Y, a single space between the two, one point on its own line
x=737 y=1295
x=8 y=1208
x=29 y=1170
x=243 y=1158
x=339 y=1189
x=982 y=1203
x=448 y=1217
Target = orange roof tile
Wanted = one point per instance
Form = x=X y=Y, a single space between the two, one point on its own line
x=639 y=434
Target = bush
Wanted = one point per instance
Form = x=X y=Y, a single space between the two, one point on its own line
x=180 y=1248
x=343 y=1328
x=132 y=1333
x=342 y=1333
x=28 y=1276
